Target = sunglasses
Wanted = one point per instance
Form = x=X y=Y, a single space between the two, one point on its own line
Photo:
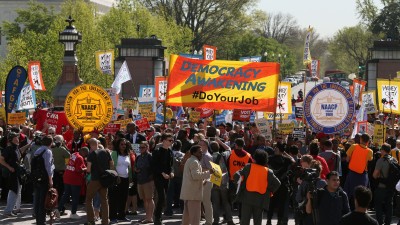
x=142 y=147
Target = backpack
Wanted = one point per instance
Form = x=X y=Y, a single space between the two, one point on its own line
x=38 y=170
x=332 y=162
x=177 y=165
x=393 y=174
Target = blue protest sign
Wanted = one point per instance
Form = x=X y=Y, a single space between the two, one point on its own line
x=14 y=83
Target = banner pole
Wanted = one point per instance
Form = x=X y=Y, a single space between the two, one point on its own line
x=304 y=95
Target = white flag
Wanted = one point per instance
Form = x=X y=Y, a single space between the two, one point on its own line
x=123 y=76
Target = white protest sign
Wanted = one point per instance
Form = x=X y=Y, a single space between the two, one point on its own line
x=27 y=98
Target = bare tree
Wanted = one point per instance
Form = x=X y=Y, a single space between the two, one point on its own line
x=280 y=27
x=207 y=19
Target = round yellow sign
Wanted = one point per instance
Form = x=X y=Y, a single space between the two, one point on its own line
x=89 y=107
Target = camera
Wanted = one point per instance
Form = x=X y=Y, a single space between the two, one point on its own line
x=37 y=138
x=309 y=174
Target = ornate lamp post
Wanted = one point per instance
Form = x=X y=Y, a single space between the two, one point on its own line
x=69 y=79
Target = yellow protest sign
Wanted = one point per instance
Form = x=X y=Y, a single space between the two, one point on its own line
x=145 y=107
x=286 y=128
x=88 y=106
x=379 y=134
x=105 y=61
x=151 y=116
x=270 y=116
x=129 y=104
x=169 y=114
x=217 y=177
x=16 y=118
x=2 y=113
x=123 y=122
x=194 y=116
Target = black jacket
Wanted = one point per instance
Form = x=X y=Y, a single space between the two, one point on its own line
x=139 y=138
x=11 y=158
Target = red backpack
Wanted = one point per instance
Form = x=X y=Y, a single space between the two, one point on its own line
x=332 y=162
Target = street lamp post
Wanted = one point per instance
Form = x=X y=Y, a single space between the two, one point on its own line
x=69 y=79
x=266 y=55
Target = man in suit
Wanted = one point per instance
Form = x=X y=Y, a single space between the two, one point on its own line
x=132 y=135
x=135 y=138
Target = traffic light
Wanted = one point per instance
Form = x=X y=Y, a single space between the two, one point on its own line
x=361 y=69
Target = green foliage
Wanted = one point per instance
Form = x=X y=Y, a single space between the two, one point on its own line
x=349 y=47
x=99 y=32
x=388 y=21
x=39 y=21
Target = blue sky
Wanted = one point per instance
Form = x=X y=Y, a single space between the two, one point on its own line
x=326 y=16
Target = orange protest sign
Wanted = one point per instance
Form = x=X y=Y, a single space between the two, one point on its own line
x=219 y=84
x=16 y=118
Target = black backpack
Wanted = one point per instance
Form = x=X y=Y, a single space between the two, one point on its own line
x=393 y=175
x=38 y=169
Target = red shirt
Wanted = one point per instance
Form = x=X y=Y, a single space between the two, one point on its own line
x=325 y=168
x=73 y=174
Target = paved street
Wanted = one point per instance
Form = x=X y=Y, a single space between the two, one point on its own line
x=26 y=217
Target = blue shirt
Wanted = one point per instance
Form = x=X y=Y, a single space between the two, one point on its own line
x=48 y=159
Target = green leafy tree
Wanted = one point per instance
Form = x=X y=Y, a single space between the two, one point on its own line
x=388 y=21
x=39 y=21
x=99 y=32
x=349 y=47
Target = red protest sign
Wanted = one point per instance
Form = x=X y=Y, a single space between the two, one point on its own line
x=46 y=118
x=241 y=115
x=111 y=128
x=204 y=113
x=142 y=124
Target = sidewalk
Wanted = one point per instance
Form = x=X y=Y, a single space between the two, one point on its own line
x=26 y=217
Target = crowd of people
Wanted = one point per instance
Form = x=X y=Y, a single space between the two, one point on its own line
x=321 y=180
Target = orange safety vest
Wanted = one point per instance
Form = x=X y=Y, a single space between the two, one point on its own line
x=358 y=160
x=237 y=163
x=257 y=181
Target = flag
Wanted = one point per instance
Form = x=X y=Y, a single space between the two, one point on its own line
x=123 y=76
x=314 y=68
x=105 y=61
x=306 y=54
x=220 y=84
x=35 y=76
x=14 y=83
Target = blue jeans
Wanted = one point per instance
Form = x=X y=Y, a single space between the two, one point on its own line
x=40 y=196
x=384 y=200
x=73 y=191
x=96 y=201
x=13 y=199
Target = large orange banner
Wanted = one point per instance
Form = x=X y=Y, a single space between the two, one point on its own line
x=220 y=84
